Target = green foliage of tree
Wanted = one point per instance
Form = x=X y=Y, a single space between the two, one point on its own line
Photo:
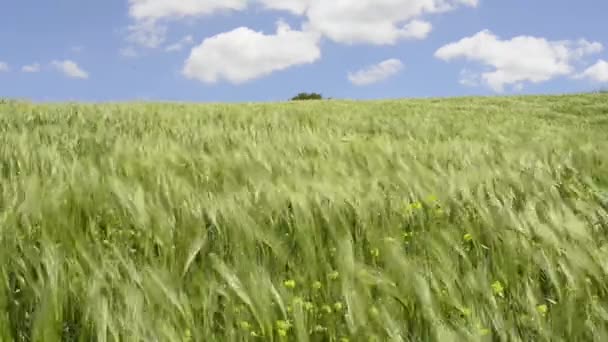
x=307 y=96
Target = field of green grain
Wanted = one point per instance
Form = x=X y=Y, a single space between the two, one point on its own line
x=469 y=219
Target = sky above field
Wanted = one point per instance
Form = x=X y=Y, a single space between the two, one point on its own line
x=270 y=50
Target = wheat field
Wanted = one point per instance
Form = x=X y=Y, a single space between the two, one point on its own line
x=467 y=219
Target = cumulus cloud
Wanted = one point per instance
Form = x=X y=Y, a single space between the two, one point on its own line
x=298 y=7
x=379 y=22
x=243 y=54
x=597 y=72
x=376 y=73
x=178 y=46
x=4 y=67
x=70 y=69
x=468 y=78
x=31 y=68
x=520 y=59
x=584 y=48
x=149 y=29
x=159 y=9
x=147 y=34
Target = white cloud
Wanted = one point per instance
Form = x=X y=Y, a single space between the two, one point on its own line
x=149 y=29
x=147 y=33
x=4 y=67
x=520 y=59
x=468 y=78
x=380 y=22
x=597 y=72
x=294 y=6
x=585 y=48
x=159 y=9
x=376 y=73
x=70 y=69
x=186 y=41
x=243 y=54
x=31 y=68
x=417 y=29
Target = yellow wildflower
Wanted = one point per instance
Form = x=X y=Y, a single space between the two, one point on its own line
x=281 y=324
x=542 y=309
x=309 y=306
x=484 y=331
x=498 y=288
x=245 y=325
x=338 y=306
x=375 y=252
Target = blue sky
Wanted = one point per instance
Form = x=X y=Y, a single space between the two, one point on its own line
x=269 y=50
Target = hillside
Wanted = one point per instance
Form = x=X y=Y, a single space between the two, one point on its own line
x=408 y=220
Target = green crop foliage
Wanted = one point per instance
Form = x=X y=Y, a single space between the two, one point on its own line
x=469 y=219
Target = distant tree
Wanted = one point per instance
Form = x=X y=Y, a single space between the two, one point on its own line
x=307 y=96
